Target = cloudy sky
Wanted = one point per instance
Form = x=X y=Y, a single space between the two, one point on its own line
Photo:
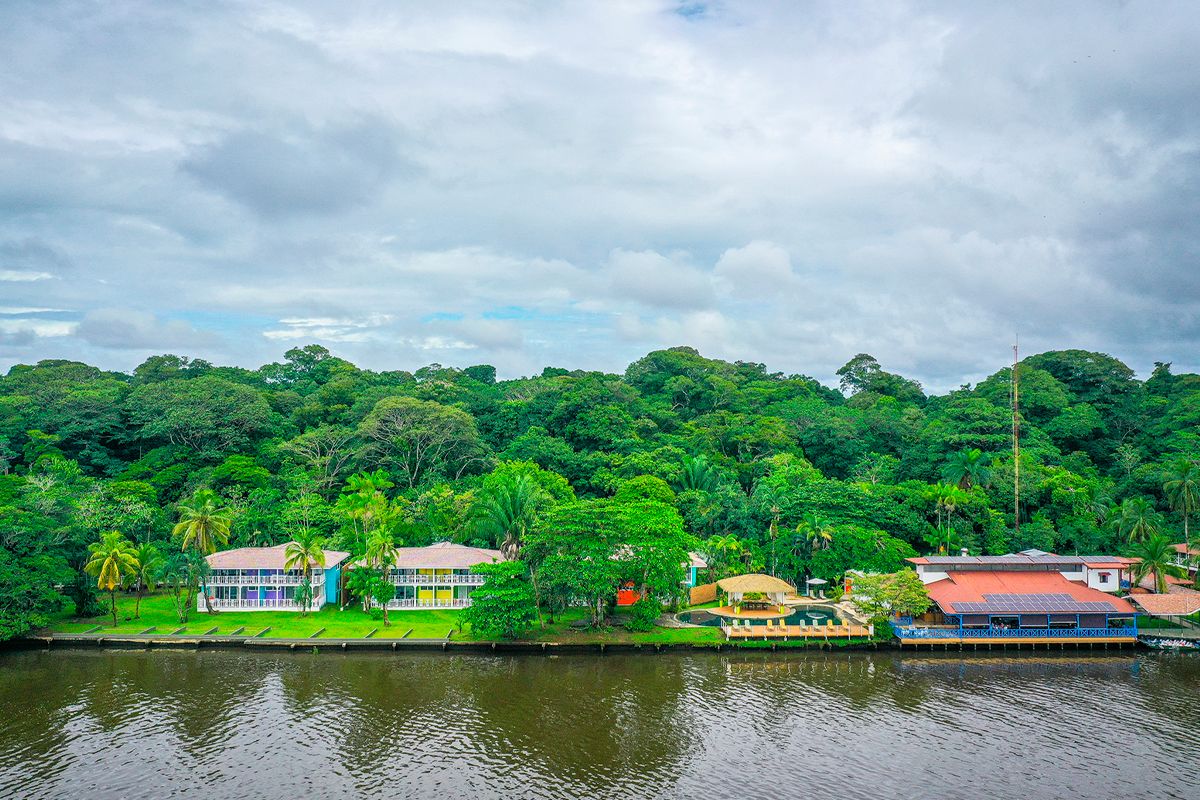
x=573 y=184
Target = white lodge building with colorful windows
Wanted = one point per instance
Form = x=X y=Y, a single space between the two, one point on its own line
x=438 y=576
x=254 y=579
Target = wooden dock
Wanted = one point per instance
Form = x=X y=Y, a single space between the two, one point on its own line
x=787 y=632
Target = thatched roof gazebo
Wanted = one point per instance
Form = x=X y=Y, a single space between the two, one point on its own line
x=769 y=587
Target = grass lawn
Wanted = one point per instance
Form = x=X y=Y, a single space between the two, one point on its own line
x=159 y=611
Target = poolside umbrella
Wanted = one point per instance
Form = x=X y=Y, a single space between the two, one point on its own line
x=814 y=582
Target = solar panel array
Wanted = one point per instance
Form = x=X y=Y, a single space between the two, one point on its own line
x=1032 y=604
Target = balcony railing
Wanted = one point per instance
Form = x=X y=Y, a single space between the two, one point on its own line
x=259 y=605
x=457 y=602
x=913 y=632
x=249 y=579
x=441 y=580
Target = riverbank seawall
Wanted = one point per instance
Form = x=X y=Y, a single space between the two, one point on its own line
x=333 y=645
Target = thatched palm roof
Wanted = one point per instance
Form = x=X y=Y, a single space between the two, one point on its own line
x=754 y=583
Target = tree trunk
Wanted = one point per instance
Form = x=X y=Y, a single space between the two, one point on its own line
x=112 y=593
x=207 y=603
x=137 y=604
x=537 y=598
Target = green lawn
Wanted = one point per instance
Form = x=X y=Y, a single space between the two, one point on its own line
x=159 y=611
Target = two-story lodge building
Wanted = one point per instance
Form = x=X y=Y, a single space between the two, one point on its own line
x=438 y=576
x=255 y=579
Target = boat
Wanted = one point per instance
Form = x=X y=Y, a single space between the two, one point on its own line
x=1172 y=644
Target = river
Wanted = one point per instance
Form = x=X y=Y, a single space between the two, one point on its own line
x=129 y=724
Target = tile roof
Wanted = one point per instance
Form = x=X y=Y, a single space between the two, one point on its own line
x=697 y=560
x=1053 y=593
x=444 y=555
x=264 y=558
x=1176 y=604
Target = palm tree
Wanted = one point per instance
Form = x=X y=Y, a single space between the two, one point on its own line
x=816 y=530
x=305 y=550
x=381 y=554
x=506 y=513
x=721 y=547
x=113 y=561
x=1137 y=520
x=1099 y=503
x=202 y=526
x=1182 y=488
x=363 y=499
x=697 y=475
x=150 y=564
x=946 y=499
x=1154 y=555
x=967 y=468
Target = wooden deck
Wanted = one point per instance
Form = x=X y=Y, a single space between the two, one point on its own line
x=785 y=632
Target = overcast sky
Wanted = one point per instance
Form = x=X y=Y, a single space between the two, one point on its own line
x=571 y=184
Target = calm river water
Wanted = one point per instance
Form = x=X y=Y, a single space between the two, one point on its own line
x=127 y=724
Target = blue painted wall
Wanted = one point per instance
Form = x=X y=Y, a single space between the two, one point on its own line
x=332 y=577
x=692 y=580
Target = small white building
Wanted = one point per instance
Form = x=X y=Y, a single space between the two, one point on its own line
x=255 y=579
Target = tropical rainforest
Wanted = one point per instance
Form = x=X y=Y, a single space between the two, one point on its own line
x=767 y=471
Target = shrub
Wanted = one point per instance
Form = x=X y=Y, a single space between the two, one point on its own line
x=643 y=614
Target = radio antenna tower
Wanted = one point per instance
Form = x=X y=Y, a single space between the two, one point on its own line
x=1016 y=441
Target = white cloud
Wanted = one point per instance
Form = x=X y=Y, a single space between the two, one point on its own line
x=575 y=184
x=23 y=275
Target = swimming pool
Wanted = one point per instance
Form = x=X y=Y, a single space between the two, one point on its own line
x=810 y=615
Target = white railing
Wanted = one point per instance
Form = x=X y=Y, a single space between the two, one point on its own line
x=220 y=604
x=250 y=579
x=458 y=602
x=444 y=580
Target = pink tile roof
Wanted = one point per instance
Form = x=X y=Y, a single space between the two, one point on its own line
x=264 y=558
x=445 y=555
x=697 y=560
x=1175 y=604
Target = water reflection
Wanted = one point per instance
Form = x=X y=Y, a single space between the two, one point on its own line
x=131 y=724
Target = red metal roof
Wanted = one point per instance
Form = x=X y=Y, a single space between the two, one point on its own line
x=970 y=587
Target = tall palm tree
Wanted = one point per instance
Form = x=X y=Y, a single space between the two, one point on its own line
x=202 y=526
x=722 y=548
x=1137 y=520
x=507 y=512
x=303 y=552
x=1154 y=554
x=1099 y=503
x=817 y=530
x=381 y=554
x=113 y=561
x=946 y=498
x=150 y=565
x=697 y=475
x=967 y=468
x=363 y=500
x=1182 y=488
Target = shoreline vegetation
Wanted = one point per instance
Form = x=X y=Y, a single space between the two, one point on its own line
x=594 y=490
